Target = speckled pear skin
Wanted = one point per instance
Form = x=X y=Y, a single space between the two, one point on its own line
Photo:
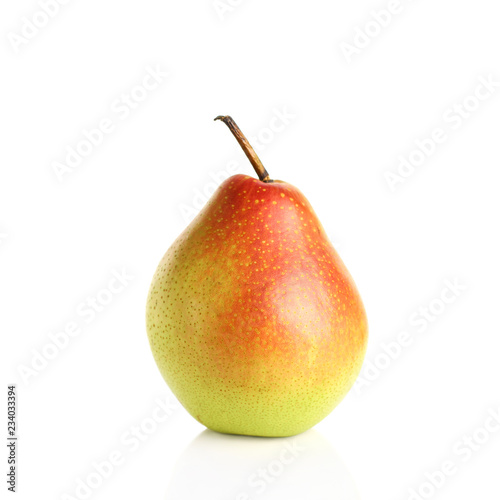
x=253 y=319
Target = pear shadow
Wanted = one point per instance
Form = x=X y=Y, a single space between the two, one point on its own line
x=227 y=467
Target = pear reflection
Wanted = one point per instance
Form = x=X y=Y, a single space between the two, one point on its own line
x=226 y=467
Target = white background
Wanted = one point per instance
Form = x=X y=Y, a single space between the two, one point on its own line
x=123 y=205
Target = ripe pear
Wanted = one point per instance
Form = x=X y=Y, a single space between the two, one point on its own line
x=253 y=319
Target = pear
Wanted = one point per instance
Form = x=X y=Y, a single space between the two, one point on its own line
x=253 y=319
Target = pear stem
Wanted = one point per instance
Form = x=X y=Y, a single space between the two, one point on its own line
x=247 y=148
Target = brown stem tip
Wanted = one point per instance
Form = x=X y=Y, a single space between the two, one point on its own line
x=247 y=148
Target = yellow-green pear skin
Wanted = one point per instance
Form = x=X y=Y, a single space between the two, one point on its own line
x=253 y=319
